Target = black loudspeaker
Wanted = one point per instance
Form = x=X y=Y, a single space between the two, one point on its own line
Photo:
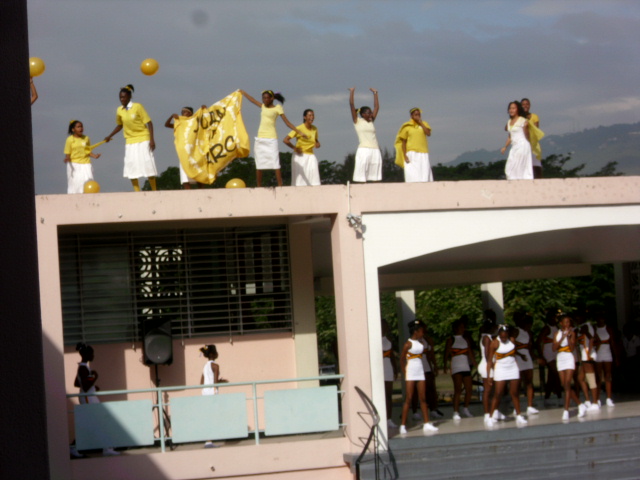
x=157 y=342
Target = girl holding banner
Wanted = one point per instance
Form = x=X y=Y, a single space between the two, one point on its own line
x=266 y=150
x=77 y=156
x=138 y=134
x=171 y=123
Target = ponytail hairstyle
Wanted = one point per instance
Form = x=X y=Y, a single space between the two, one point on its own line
x=72 y=125
x=414 y=325
x=127 y=89
x=209 y=350
x=504 y=328
x=276 y=95
x=84 y=350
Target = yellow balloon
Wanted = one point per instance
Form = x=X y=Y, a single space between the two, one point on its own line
x=236 y=183
x=91 y=187
x=36 y=66
x=149 y=66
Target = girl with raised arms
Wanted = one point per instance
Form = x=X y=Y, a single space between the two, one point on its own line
x=138 y=134
x=77 y=156
x=265 y=149
x=368 y=161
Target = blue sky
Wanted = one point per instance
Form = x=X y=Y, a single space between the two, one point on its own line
x=461 y=61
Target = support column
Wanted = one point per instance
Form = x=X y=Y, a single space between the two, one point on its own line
x=304 y=312
x=351 y=325
x=492 y=297
x=622 y=278
x=406 y=308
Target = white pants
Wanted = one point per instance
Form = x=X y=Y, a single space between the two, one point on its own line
x=418 y=168
x=368 y=167
x=304 y=170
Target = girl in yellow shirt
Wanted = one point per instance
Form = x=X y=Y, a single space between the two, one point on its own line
x=304 y=164
x=138 y=134
x=412 y=148
x=77 y=156
x=266 y=150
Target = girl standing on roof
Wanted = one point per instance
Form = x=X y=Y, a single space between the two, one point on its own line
x=77 y=156
x=139 y=140
x=266 y=151
x=368 y=161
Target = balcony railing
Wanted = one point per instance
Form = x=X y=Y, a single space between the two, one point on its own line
x=222 y=416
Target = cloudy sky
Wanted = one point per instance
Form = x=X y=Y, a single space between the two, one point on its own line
x=461 y=61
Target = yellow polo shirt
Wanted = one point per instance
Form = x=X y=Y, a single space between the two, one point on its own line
x=78 y=149
x=306 y=144
x=134 y=122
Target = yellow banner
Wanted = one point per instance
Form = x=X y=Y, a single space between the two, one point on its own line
x=211 y=138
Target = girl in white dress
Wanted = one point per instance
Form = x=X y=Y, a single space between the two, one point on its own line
x=210 y=376
x=458 y=351
x=390 y=369
x=411 y=365
x=523 y=342
x=605 y=355
x=519 y=165
x=563 y=344
x=487 y=330
x=502 y=359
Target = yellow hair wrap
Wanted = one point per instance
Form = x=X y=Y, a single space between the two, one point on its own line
x=414 y=109
x=72 y=122
x=270 y=92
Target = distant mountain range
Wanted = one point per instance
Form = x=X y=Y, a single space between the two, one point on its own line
x=594 y=147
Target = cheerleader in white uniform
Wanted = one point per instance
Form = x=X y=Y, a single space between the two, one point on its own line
x=390 y=370
x=605 y=355
x=587 y=369
x=502 y=359
x=548 y=358
x=525 y=363
x=564 y=344
x=411 y=365
x=486 y=331
x=458 y=351
x=86 y=381
x=210 y=376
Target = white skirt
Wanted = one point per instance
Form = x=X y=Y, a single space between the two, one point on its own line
x=184 y=178
x=77 y=175
x=415 y=371
x=266 y=153
x=139 y=161
x=368 y=165
x=418 y=169
x=527 y=363
x=506 y=369
x=304 y=170
x=459 y=364
x=604 y=353
x=565 y=361
x=482 y=369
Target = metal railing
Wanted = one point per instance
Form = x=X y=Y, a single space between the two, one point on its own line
x=160 y=405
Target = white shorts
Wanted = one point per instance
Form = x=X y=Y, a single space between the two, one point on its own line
x=184 y=178
x=266 y=153
x=77 y=175
x=418 y=168
x=604 y=353
x=368 y=165
x=304 y=170
x=139 y=161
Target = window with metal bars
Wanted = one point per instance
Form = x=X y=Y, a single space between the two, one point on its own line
x=220 y=281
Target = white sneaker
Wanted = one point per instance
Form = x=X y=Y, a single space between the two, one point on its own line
x=466 y=412
x=582 y=410
x=403 y=430
x=594 y=407
x=515 y=414
x=456 y=416
x=73 y=451
x=587 y=404
x=521 y=420
x=498 y=415
x=532 y=411
x=417 y=416
x=391 y=424
x=489 y=422
x=109 y=452
x=487 y=416
x=610 y=403
x=435 y=414
x=429 y=427
x=565 y=416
